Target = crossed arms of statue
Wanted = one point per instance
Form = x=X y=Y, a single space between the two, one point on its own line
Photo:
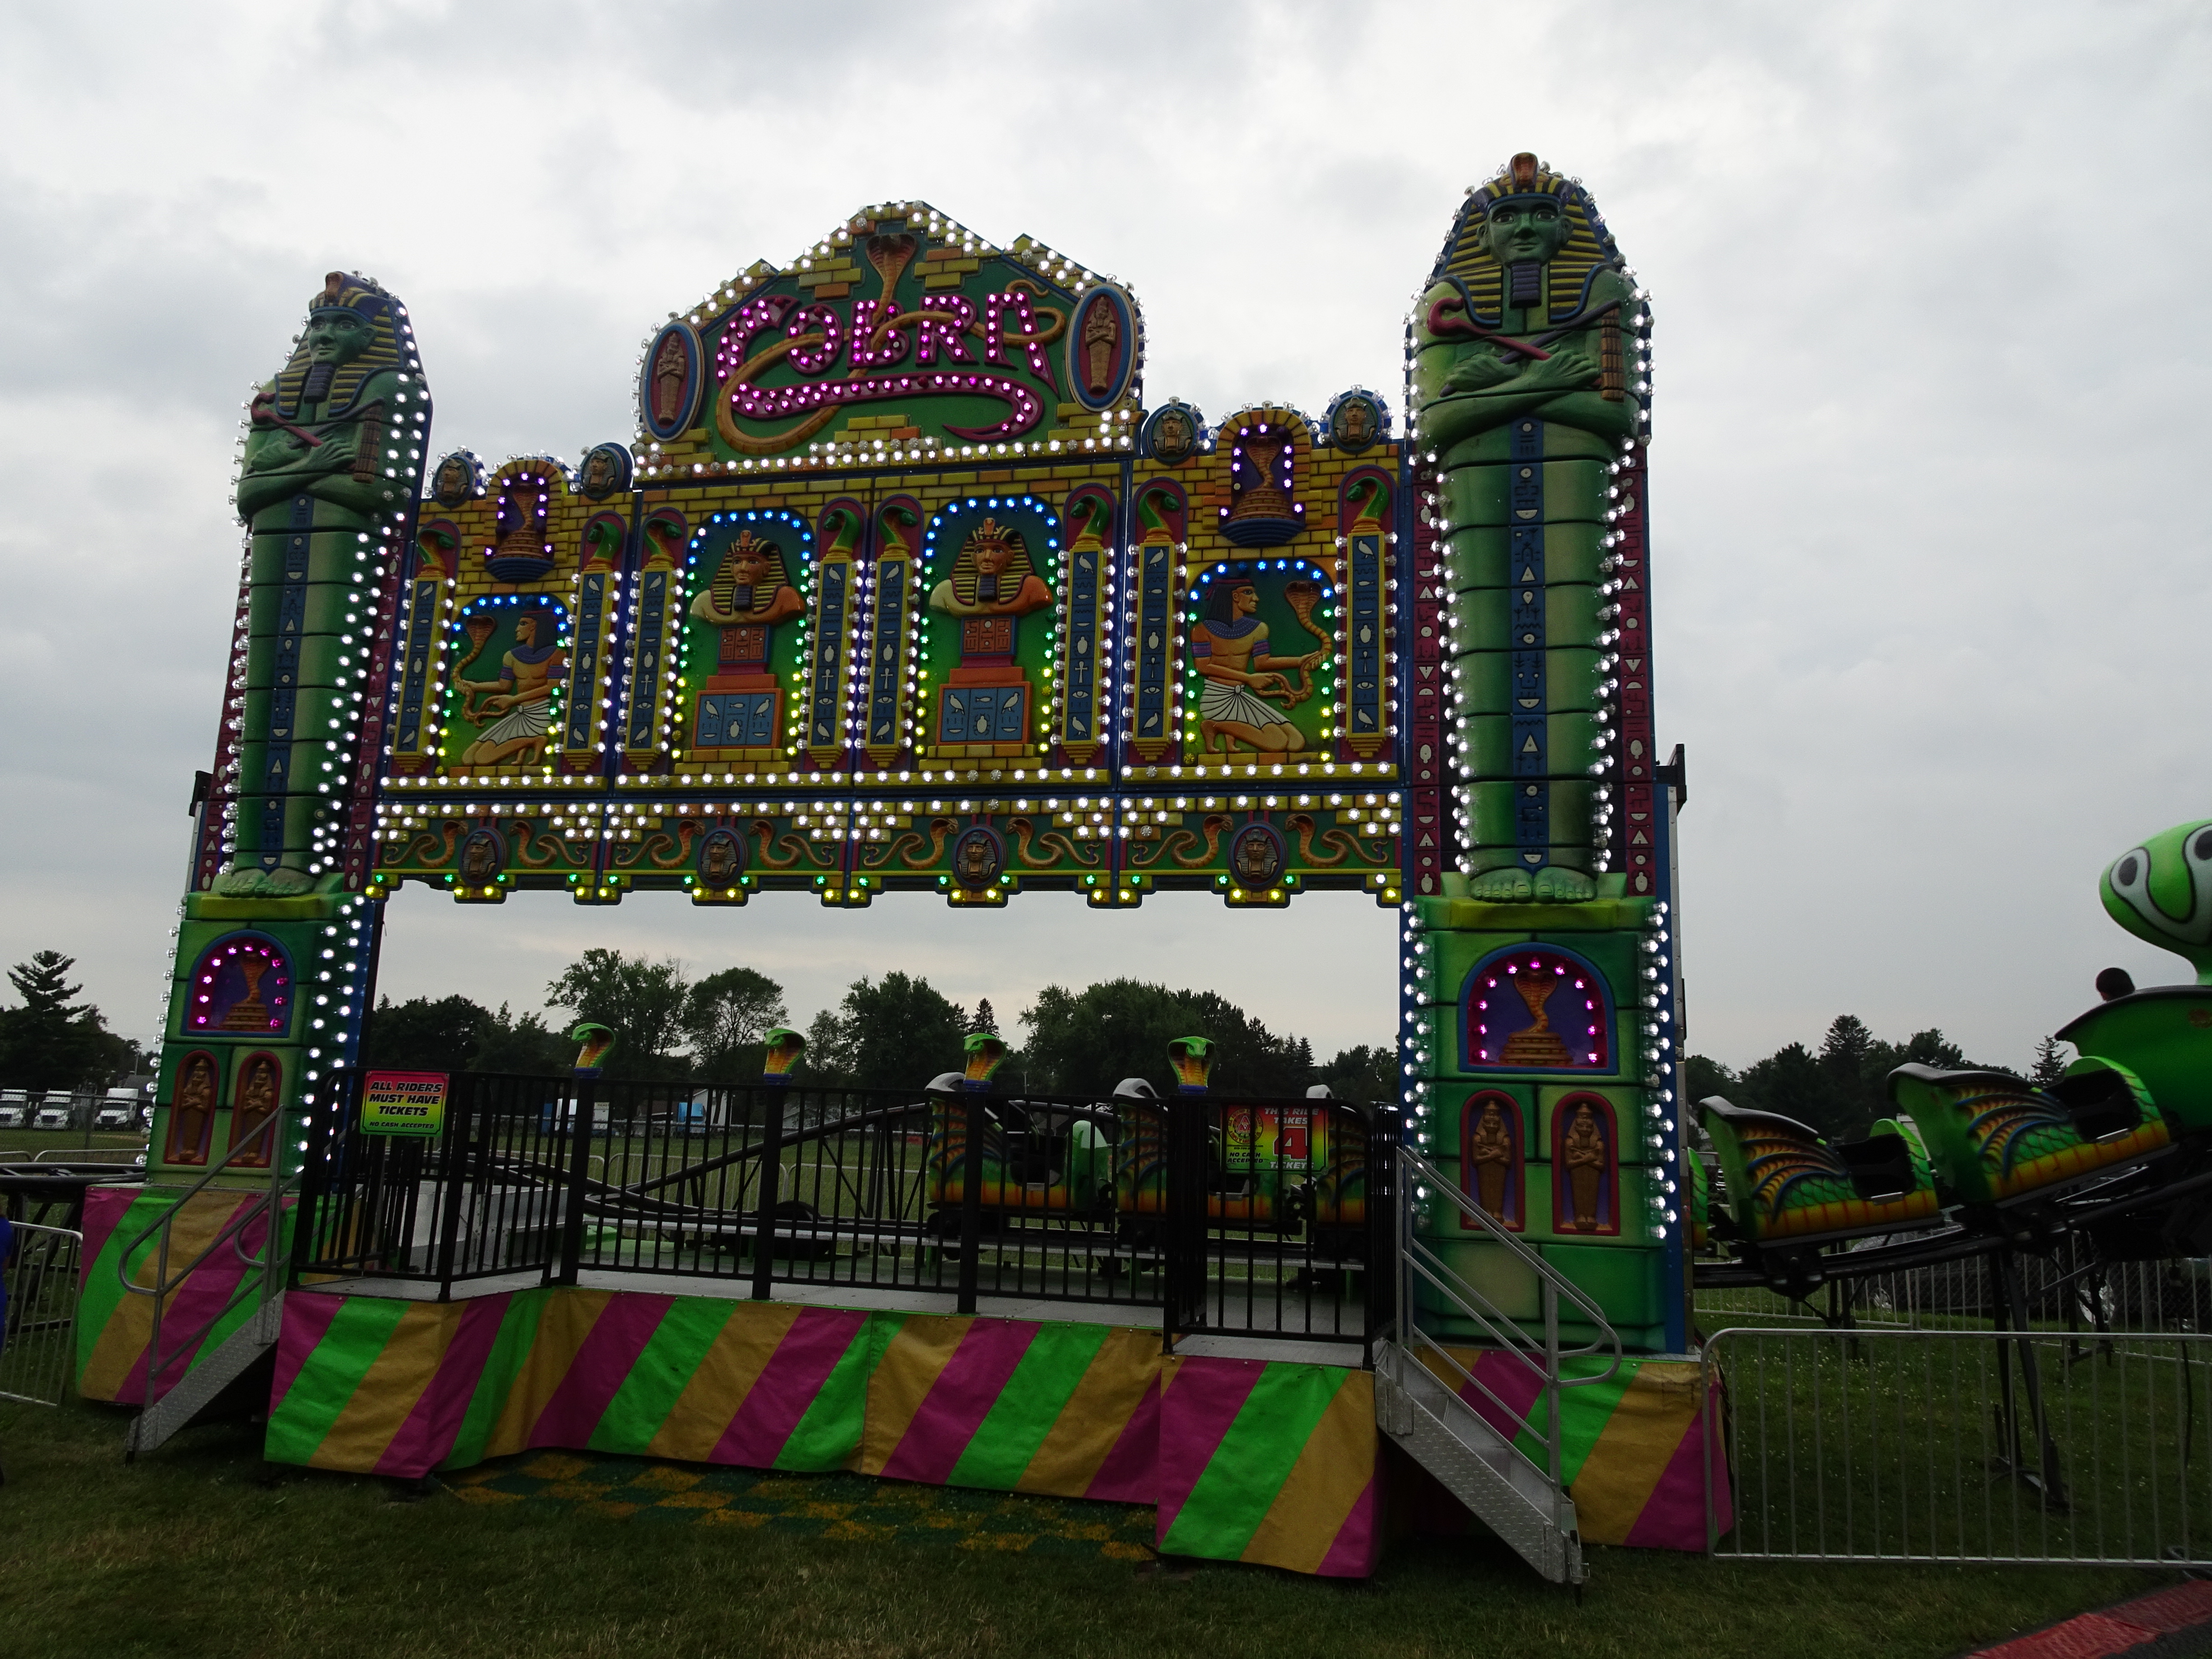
x=1466 y=384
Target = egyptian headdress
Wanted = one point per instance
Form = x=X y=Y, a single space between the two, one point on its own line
x=967 y=580
x=1467 y=261
x=1222 y=622
x=548 y=635
x=729 y=599
x=336 y=388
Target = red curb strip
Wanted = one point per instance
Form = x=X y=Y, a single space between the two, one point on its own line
x=2114 y=1630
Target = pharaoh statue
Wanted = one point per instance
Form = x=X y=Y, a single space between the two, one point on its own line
x=1583 y=1151
x=1521 y=397
x=192 y=1109
x=1490 y=1154
x=259 y=1089
x=332 y=456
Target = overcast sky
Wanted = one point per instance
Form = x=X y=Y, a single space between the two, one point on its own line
x=1927 y=485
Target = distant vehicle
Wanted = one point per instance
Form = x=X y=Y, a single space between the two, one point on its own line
x=694 y=1116
x=118 y=1111
x=53 y=1110
x=14 y=1108
x=562 y=1113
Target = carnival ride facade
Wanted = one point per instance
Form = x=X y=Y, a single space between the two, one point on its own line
x=902 y=586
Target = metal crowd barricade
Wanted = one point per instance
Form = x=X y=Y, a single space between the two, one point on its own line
x=1889 y=1444
x=2071 y=1286
x=968 y=1194
x=38 y=1345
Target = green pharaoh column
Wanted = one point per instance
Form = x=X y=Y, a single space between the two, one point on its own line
x=1540 y=986
x=272 y=961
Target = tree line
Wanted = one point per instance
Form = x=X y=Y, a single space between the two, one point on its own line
x=895 y=1032
x=1841 y=1088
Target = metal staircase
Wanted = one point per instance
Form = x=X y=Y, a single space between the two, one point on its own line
x=1421 y=1386
x=164 y=1410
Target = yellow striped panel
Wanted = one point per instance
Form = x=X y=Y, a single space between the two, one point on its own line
x=740 y=1352
x=562 y=1329
x=1657 y=1408
x=1335 y=1467
x=388 y=1389
x=1124 y=1370
x=902 y=1379
x=123 y=1338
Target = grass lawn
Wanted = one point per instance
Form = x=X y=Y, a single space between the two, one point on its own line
x=198 y=1550
x=23 y=1143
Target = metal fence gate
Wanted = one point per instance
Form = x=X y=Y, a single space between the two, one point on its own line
x=37 y=1347
x=1239 y=1217
x=1901 y=1444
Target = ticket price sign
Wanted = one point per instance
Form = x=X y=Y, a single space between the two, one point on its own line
x=1267 y=1137
x=403 y=1103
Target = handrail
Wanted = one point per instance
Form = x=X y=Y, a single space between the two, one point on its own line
x=232 y=1232
x=1416 y=1256
x=1528 y=1256
x=164 y=1285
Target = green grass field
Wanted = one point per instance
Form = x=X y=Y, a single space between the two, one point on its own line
x=23 y=1143
x=198 y=1550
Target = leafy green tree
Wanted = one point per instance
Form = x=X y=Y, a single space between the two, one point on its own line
x=1085 y=1043
x=1363 y=1073
x=50 y=1042
x=1704 y=1077
x=1838 y=1091
x=727 y=1015
x=453 y=1034
x=899 y=1031
x=829 y=1061
x=420 y=1034
x=1792 y=1081
x=1844 y=1051
x=523 y=1044
x=640 y=1000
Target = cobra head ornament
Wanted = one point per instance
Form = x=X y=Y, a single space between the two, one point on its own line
x=1193 y=1060
x=986 y=1053
x=781 y=1050
x=2161 y=891
x=593 y=1040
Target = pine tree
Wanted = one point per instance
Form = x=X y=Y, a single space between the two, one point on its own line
x=39 y=983
x=2050 y=1063
x=984 y=1021
x=49 y=1043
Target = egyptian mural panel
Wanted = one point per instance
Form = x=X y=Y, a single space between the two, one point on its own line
x=506 y=613
x=742 y=617
x=904 y=589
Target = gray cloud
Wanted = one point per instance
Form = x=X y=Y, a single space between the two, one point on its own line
x=1929 y=569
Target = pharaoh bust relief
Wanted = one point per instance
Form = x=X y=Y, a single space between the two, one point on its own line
x=1498 y=344
x=992 y=577
x=751 y=586
x=317 y=428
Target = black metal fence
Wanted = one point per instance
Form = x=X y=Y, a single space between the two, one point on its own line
x=1258 y=1218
